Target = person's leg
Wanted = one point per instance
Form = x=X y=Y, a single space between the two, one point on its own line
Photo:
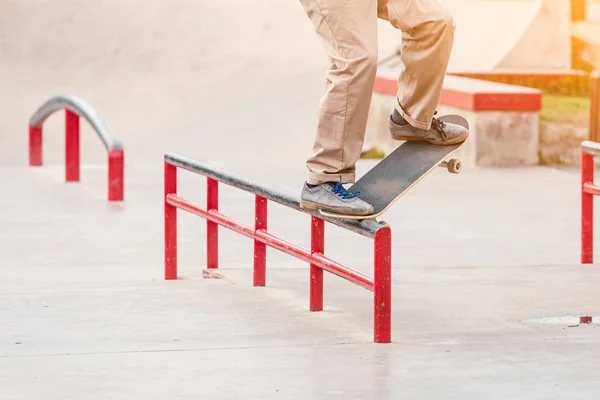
x=427 y=39
x=348 y=32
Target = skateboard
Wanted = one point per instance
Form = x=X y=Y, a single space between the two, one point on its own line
x=393 y=176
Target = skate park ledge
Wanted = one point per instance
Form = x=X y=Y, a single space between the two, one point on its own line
x=503 y=118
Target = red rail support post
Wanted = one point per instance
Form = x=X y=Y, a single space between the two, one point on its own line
x=380 y=285
x=116 y=166
x=317 y=245
x=260 y=249
x=587 y=209
x=589 y=149
x=71 y=146
x=170 y=183
x=75 y=108
x=35 y=146
x=383 y=285
x=212 y=228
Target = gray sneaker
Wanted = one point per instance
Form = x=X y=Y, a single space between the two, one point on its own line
x=440 y=133
x=332 y=196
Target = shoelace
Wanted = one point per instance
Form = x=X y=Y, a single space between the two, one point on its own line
x=439 y=126
x=339 y=190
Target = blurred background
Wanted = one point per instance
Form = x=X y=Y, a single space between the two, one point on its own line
x=223 y=80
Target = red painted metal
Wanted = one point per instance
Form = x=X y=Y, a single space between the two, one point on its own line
x=343 y=271
x=212 y=215
x=587 y=209
x=262 y=236
x=591 y=188
x=317 y=245
x=212 y=228
x=316 y=259
x=383 y=285
x=282 y=245
x=76 y=108
x=380 y=284
x=71 y=146
x=35 y=146
x=170 y=222
x=116 y=182
x=260 y=249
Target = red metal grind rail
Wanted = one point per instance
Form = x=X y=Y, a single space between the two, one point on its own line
x=589 y=150
x=380 y=284
x=74 y=108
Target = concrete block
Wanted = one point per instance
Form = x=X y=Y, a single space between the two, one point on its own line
x=504 y=120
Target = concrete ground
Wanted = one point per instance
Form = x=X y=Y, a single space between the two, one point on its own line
x=86 y=312
x=484 y=263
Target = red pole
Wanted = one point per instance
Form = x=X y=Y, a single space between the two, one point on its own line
x=212 y=228
x=587 y=210
x=35 y=146
x=170 y=223
x=71 y=146
x=317 y=245
x=260 y=249
x=115 y=175
x=383 y=285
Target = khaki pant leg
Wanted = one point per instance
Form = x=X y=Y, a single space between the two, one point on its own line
x=427 y=39
x=347 y=30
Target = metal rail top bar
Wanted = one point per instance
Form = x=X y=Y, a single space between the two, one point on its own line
x=81 y=108
x=365 y=227
x=590 y=147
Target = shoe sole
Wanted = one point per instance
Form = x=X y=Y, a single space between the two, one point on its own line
x=456 y=140
x=309 y=205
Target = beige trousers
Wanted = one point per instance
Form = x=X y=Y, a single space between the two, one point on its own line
x=347 y=30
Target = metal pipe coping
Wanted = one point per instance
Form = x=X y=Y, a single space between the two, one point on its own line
x=591 y=148
x=75 y=108
x=366 y=228
x=379 y=284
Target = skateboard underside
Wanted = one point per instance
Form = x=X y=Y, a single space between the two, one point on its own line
x=393 y=176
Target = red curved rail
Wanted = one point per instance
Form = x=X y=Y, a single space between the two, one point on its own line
x=75 y=108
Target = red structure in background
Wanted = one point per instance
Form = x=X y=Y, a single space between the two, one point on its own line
x=74 y=109
x=589 y=149
x=380 y=284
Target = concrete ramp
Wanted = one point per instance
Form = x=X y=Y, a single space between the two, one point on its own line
x=589 y=32
x=183 y=77
x=178 y=74
x=502 y=34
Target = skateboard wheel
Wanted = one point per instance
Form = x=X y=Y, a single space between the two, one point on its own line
x=453 y=166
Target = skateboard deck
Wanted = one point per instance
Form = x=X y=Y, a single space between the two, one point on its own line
x=393 y=176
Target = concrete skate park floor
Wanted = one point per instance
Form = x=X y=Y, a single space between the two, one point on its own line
x=86 y=312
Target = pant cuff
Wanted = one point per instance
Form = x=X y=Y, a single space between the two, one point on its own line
x=316 y=178
x=426 y=125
